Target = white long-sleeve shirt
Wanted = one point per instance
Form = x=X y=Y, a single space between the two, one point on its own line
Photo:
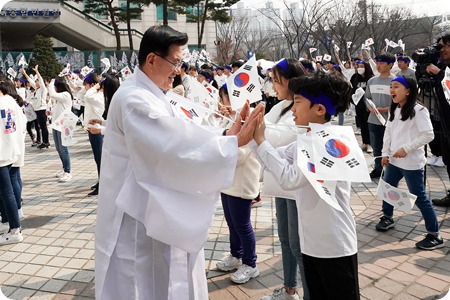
x=94 y=104
x=411 y=135
x=13 y=123
x=324 y=231
x=39 y=97
x=61 y=102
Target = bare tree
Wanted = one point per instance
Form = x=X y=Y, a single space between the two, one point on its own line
x=231 y=36
x=298 y=22
x=258 y=40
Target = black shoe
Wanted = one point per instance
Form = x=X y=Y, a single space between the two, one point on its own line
x=442 y=202
x=36 y=144
x=43 y=145
x=385 y=223
x=375 y=174
x=430 y=243
x=94 y=186
x=93 y=193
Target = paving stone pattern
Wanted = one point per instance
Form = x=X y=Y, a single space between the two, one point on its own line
x=56 y=258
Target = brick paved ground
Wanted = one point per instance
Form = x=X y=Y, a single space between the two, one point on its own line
x=56 y=259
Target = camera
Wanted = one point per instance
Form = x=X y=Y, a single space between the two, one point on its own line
x=428 y=55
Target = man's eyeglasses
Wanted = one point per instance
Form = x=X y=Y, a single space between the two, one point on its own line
x=175 y=65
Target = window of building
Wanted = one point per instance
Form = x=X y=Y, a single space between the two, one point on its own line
x=171 y=15
x=194 y=47
x=123 y=5
x=194 y=10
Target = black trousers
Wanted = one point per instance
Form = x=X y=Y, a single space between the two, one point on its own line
x=362 y=114
x=435 y=144
x=42 y=121
x=332 y=278
x=36 y=127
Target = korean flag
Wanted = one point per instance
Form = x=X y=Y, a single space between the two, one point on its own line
x=66 y=117
x=311 y=50
x=446 y=84
x=337 y=155
x=319 y=58
x=305 y=161
x=200 y=95
x=369 y=42
x=244 y=84
x=336 y=48
x=396 y=197
x=327 y=57
x=187 y=109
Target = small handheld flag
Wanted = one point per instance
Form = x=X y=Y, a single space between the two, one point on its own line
x=396 y=197
x=377 y=113
x=327 y=57
x=311 y=50
x=358 y=95
x=107 y=64
x=319 y=58
x=349 y=44
x=86 y=70
x=187 y=110
x=186 y=55
x=244 y=85
x=369 y=42
x=336 y=48
x=65 y=71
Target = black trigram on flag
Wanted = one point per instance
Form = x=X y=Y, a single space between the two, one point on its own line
x=306 y=153
x=352 y=163
x=326 y=190
x=247 y=67
x=174 y=103
x=193 y=113
x=400 y=203
x=236 y=93
x=250 y=87
x=326 y=162
x=404 y=195
x=322 y=133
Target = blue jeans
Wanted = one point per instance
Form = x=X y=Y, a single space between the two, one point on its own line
x=287 y=219
x=242 y=238
x=62 y=151
x=414 y=181
x=96 y=141
x=376 y=133
x=8 y=205
x=16 y=182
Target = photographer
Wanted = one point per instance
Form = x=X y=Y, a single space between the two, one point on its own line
x=437 y=73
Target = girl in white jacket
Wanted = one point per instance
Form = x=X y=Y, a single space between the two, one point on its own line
x=286 y=209
x=62 y=100
x=94 y=108
x=12 y=144
x=237 y=205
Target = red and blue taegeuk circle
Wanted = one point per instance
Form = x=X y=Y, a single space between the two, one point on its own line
x=337 y=148
x=241 y=79
x=393 y=195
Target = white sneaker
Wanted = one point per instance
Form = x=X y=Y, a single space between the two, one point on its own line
x=65 y=177
x=228 y=264
x=369 y=149
x=432 y=160
x=59 y=174
x=9 y=238
x=358 y=132
x=21 y=215
x=281 y=294
x=439 y=162
x=4 y=227
x=244 y=274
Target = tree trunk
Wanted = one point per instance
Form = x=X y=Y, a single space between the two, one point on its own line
x=198 y=26
x=130 y=37
x=165 y=14
x=112 y=15
x=202 y=30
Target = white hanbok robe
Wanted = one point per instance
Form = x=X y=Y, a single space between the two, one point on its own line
x=159 y=186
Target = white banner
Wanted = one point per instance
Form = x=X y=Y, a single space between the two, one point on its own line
x=377 y=113
x=358 y=95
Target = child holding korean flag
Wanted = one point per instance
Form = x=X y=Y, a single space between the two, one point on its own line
x=408 y=129
x=327 y=235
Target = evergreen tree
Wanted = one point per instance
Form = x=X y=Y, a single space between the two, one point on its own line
x=45 y=57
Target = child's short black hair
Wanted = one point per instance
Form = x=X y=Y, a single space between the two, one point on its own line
x=324 y=83
x=386 y=56
x=237 y=64
x=319 y=62
x=308 y=65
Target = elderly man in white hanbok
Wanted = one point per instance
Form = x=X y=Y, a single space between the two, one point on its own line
x=161 y=178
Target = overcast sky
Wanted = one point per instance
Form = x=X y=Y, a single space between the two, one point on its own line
x=429 y=7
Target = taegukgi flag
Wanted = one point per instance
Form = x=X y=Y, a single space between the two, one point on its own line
x=337 y=155
x=336 y=48
x=86 y=70
x=349 y=44
x=327 y=57
x=319 y=58
x=359 y=93
x=244 y=85
x=396 y=197
x=369 y=42
x=187 y=109
x=305 y=161
x=200 y=95
x=107 y=64
x=311 y=50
